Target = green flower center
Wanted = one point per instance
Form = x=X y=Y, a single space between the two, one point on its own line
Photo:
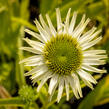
x=62 y=54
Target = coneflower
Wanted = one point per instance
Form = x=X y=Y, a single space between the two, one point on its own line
x=63 y=55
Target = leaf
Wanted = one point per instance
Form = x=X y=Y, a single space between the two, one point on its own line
x=75 y=5
x=95 y=9
x=9 y=33
x=24 y=9
x=98 y=96
x=24 y=23
x=105 y=43
x=48 y=5
x=2 y=8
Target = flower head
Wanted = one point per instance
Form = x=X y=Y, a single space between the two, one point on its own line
x=63 y=55
x=27 y=94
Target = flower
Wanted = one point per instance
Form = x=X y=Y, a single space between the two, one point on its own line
x=63 y=55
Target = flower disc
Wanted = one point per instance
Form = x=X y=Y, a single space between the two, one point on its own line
x=63 y=54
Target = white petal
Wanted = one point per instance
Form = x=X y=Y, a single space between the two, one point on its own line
x=33 y=59
x=42 y=77
x=79 y=25
x=95 y=57
x=43 y=33
x=32 y=50
x=53 y=82
x=86 y=76
x=34 y=63
x=67 y=21
x=85 y=36
x=44 y=24
x=80 y=30
x=77 y=83
x=90 y=44
x=60 y=89
x=89 y=38
x=73 y=86
x=35 y=44
x=93 y=69
x=36 y=57
x=72 y=24
x=94 y=62
x=88 y=83
x=59 y=22
x=33 y=70
x=81 y=22
x=52 y=29
x=94 y=52
x=52 y=93
x=46 y=77
x=37 y=36
x=39 y=72
x=67 y=88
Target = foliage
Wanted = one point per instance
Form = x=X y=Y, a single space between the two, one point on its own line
x=14 y=17
x=98 y=96
x=27 y=94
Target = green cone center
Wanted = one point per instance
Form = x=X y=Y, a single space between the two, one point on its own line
x=62 y=54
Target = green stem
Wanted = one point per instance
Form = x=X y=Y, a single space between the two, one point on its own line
x=12 y=102
x=20 y=56
x=27 y=106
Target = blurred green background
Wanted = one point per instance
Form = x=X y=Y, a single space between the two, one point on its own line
x=16 y=91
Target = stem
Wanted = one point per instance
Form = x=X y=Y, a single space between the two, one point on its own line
x=27 y=106
x=12 y=102
x=20 y=56
x=4 y=93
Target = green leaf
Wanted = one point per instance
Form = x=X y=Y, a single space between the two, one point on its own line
x=24 y=23
x=48 y=5
x=75 y=5
x=105 y=43
x=97 y=11
x=100 y=95
x=95 y=8
x=24 y=9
